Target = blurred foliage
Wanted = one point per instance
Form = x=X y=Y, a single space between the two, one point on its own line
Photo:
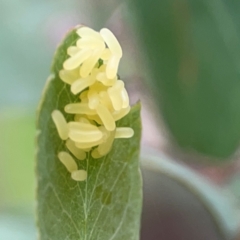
x=193 y=51
x=17 y=153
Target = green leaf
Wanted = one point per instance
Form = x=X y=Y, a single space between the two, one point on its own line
x=193 y=48
x=108 y=204
x=220 y=203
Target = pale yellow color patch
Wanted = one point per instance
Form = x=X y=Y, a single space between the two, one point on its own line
x=68 y=161
x=69 y=76
x=124 y=132
x=81 y=84
x=117 y=115
x=77 y=59
x=95 y=154
x=78 y=153
x=112 y=42
x=106 y=117
x=72 y=50
x=79 y=175
x=83 y=132
x=61 y=124
x=88 y=32
x=112 y=67
x=79 y=108
x=106 y=146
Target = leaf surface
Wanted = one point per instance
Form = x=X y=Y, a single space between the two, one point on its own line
x=105 y=206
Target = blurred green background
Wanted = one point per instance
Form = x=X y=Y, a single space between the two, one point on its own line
x=30 y=32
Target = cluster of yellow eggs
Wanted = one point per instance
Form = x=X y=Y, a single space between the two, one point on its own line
x=91 y=71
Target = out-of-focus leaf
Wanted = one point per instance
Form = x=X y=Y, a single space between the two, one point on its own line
x=108 y=204
x=16 y=154
x=220 y=203
x=193 y=51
